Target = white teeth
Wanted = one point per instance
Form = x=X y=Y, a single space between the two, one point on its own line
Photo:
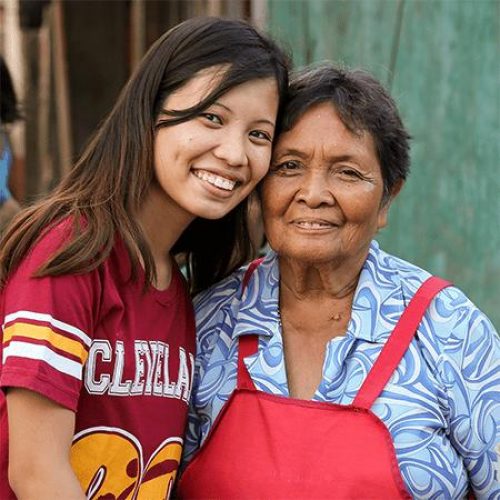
x=312 y=225
x=215 y=180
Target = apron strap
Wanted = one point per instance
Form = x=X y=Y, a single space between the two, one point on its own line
x=248 y=273
x=398 y=342
x=247 y=344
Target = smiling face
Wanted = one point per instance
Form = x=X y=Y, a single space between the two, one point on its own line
x=322 y=199
x=209 y=164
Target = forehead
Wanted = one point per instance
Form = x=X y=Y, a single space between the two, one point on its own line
x=321 y=126
x=196 y=88
x=257 y=97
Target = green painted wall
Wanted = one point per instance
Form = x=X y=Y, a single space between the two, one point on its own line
x=441 y=61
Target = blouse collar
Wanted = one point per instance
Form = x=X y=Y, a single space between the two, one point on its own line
x=377 y=305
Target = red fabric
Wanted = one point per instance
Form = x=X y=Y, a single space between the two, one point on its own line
x=128 y=376
x=248 y=273
x=268 y=446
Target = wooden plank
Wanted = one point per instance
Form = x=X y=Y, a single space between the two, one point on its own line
x=137 y=31
x=30 y=44
x=48 y=164
x=98 y=61
x=63 y=108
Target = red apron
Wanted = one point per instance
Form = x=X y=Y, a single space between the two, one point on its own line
x=267 y=446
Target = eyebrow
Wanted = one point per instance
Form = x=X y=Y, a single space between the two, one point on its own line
x=302 y=155
x=229 y=110
x=291 y=152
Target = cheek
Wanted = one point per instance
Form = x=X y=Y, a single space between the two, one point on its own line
x=267 y=201
x=163 y=163
x=161 y=150
x=260 y=165
x=172 y=143
x=364 y=212
x=159 y=160
x=272 y=231
x=272 y=214
x=362 y=207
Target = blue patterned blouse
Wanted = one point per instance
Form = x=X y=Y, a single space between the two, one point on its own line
x=441 y=406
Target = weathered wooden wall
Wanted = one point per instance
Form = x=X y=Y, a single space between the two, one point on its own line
x=440 y=58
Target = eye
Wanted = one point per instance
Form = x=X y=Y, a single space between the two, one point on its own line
x=261 y=135
x=212 y=118
x=350 y=173
x=287 y=167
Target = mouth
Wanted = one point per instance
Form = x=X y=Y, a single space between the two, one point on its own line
x=216 y=180
x=313 y=224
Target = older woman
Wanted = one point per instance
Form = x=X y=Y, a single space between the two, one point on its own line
x=332 y=369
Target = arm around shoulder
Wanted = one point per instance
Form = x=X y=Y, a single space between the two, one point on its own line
x=40 y=436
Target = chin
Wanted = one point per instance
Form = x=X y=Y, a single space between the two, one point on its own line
x=313 y=258
x=306 y=255
x=211 y=214
x=215 y=211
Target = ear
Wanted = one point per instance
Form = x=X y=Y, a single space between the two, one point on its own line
x=386 y=203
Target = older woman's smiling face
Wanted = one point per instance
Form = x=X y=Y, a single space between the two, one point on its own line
x=322 y=199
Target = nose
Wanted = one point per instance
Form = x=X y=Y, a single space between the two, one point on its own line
x=232 y=150
x=314 y=191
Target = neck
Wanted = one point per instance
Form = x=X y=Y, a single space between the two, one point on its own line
x=309 y=280
x=316 y=299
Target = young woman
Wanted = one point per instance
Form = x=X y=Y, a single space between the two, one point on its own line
x=98 y=334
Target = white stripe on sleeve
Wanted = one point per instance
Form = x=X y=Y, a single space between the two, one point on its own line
x=45 y=354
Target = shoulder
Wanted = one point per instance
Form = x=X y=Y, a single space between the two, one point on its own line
x=52 y=239
x=229 y=290
x=218 y=296
x=452 y=322
x=217 y=308
x=57 y=236
x=72 y=298
x=385 y=267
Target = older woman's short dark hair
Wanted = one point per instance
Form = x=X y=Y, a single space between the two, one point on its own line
x=362 y=104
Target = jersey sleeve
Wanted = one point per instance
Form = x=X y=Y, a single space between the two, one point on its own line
x=470 y=370
x=47 y=326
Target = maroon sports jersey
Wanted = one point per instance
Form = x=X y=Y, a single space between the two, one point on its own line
x=121 y=358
